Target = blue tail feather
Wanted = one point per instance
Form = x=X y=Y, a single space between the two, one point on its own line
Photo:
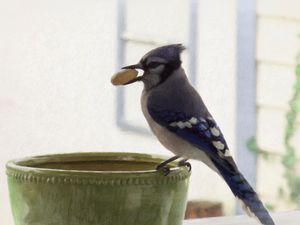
x=243 y=191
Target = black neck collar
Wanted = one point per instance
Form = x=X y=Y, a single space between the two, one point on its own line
x=169 y=69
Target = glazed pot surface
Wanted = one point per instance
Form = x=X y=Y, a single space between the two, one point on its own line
x=96 y=188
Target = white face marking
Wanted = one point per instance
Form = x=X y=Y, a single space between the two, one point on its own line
x=157 y=70
x=215 y=131
x=218 y=144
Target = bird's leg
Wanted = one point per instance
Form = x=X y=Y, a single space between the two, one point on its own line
x=185 y=163
x=163 y=166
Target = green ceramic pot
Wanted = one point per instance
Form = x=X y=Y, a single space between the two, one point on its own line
x=96 y=189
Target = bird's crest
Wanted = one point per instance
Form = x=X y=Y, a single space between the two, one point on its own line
x=167 y=52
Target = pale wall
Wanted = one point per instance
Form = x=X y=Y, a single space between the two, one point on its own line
x=56 y=60
x=278 y=26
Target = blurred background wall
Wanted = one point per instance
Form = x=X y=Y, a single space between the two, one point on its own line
x=278 y=28
x=57 y=58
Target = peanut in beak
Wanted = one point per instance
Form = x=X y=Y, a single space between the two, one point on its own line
x=124 y=76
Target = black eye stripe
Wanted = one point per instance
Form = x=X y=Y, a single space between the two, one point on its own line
x=154 y=64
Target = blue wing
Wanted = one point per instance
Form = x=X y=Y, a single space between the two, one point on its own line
x=201 y=132
x=206 y=136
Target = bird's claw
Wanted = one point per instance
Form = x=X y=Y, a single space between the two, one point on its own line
x=164 y=169
x=185 y=163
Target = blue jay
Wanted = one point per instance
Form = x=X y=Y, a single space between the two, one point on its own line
x=180 y=120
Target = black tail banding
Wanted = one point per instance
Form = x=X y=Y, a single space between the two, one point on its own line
x=244 y=192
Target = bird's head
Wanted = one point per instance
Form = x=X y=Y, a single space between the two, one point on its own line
x=158 y=64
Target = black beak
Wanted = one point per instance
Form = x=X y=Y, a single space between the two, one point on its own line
x=135 y=66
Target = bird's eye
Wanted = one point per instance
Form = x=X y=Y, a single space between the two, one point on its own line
x=153 y=64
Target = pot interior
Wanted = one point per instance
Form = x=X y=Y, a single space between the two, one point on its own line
x=99 y=165
x=93 y=162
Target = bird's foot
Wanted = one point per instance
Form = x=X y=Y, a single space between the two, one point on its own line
x=164 y=165
x=164 y=169
x=185 y=163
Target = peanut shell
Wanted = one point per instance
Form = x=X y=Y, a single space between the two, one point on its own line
x=123 y=76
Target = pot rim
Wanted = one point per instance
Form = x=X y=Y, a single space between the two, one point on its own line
x=26 y=164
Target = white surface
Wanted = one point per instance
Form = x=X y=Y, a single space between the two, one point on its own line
x=285 y=218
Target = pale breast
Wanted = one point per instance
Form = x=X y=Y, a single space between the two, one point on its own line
x=171 y=141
